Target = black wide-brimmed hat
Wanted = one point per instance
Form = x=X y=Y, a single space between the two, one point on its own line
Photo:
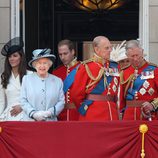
x=41 y=53
x=14 y=45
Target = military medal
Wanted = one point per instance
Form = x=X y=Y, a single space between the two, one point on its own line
x=146 y=84
x=107 y=73
x=142 y=91
x=115 y=80
x=85 y=107
x=147 y=74
x=152 y=74
x=151 y=91
x=113 y=72
x=114 y=88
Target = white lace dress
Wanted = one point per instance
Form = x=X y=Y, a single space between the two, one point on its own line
x=10 y=97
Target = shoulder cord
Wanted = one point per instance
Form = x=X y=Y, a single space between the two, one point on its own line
x=94 y=79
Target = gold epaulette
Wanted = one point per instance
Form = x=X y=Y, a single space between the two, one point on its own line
x=72 y=63
x=90 y=75
x=101 y=72
x=87 y=61
x=96 y=59
x=129 y=78
x=153 y=64
x=128 y=81
x=125 y=67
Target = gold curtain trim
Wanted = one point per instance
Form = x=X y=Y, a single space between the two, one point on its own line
x=143 y=128
x=0 y=129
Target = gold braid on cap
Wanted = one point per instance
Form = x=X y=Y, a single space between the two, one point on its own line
x=94 y=79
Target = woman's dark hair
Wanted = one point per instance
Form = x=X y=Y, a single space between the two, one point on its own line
x=8 y=69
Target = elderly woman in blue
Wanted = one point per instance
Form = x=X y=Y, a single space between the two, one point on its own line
x=42 y=96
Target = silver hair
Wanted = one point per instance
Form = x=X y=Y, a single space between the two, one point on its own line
x=132 y=44
x=97 y=40
x=49 y=61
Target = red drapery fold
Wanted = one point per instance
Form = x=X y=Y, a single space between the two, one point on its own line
x=108 y=139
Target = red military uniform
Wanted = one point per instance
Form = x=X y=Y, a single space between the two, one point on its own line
x=86 y=89
x=70 y=112
x=142 y=85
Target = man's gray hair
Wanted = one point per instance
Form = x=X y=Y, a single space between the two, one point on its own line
x=132 y=44
x=97 y=40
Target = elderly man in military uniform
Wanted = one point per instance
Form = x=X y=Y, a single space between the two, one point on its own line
x=67 y=71
x=96 y=84
x=139 y=86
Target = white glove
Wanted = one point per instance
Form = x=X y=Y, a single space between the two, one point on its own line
x=41 y=115
x=47 y=114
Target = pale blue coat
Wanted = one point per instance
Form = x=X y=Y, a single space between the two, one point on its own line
x=42 y=94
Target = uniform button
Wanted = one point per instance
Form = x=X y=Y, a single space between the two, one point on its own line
x=85 y=107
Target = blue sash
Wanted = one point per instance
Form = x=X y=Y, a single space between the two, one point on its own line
x=137 y=84
x=99 y=89
x=70 y=79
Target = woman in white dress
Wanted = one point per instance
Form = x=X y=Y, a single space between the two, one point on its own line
x=42 y=96
x=10 y=81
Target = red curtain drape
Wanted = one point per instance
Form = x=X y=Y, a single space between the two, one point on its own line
x=111 y=139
